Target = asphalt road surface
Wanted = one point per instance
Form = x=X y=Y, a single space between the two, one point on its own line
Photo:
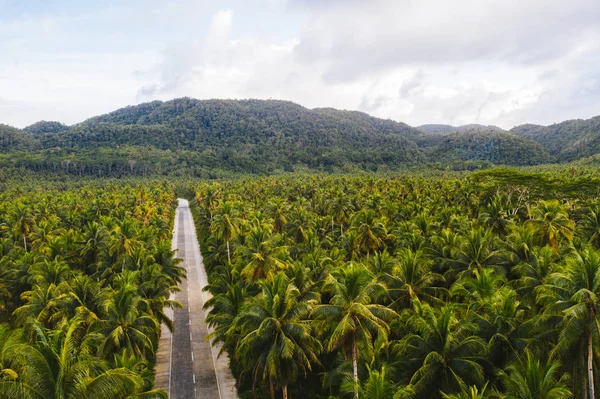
x=187 y=366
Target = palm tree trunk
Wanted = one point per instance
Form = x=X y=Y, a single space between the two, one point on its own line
x=271 y=389
x=355 y=365
x=342 y=229
x=285 y=392
x=332 y=225
x=24 y=242
x=590 y=366
x=228 y=253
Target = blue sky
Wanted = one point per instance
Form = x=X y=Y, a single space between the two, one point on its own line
x=503 y=62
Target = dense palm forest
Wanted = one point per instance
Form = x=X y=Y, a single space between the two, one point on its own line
x=85 y=276
x=484 y=286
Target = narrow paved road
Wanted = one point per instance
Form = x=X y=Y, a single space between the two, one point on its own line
x=187 y=365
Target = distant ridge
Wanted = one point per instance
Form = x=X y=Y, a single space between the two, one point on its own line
x=442 y=129
x=565 y=141
x=186 y=136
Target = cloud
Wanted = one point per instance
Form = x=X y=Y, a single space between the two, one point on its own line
x=369 y=37
x=419 y=61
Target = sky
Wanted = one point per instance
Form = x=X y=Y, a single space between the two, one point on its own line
x=501 y=62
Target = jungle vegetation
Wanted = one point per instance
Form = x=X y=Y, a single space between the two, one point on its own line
x=198 y=137
x=86 y=271
x=400 y=286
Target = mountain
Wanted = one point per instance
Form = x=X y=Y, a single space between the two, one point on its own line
x=443 y=129
x=12 y=139
x=565 y=141
x=42 y=127
x=197 y=137
x=497 y=147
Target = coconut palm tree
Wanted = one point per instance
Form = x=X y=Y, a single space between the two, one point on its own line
x=61 y=365
x=277 y=343
x=574 y=293
x=21 y=221
x=225 y=225
x=552 y=223
x=126 y=326
x=445 y=351
x=369 y=229
x=412 y=281
x=590 y=225
x=262 y=254
x=352 y=316
x=530 y=378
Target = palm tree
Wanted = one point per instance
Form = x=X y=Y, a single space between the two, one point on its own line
x=61 y=365
x=277 y=343
x=445 y=350
x=125 y=325
x=351 y=316
x=94 y=245
x=262 y=255
x=341 y=211
x=165 y=257
x=590 y=225
x=472 y=393
x=369 y=229
x=574 y=292
x=412 y=281
x=22 y=221
x=378 y=385
x=551 y=220
x=225 y=225
x=477 y=250
x=530 y=378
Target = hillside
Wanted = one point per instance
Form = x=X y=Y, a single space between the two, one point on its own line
x=444 y=129
x=12 y=139
x=501 y=148
x=197 y=137
x=565 y=141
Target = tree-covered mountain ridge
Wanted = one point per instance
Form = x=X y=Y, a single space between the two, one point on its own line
x=189 y=136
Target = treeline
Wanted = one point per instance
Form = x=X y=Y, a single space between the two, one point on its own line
x=85 y=277
x=405 y=287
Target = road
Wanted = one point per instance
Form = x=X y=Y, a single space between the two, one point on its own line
x=187 y=366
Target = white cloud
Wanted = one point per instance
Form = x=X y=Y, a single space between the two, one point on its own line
x=428 y=61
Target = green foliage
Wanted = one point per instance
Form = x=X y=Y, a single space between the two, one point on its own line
x=84 y=277
x=565 y=141
x=483 y=286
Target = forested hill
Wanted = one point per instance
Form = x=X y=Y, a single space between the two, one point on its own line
x=441 y=129
x=565 y=141
x=198 y=137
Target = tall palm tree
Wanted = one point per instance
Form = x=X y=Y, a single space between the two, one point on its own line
x=262 y=254
x=574 y=292
x=225 y=225
x=378 y=385
x=370 y=230
x=551 y=220
x=277 y=341
x=61 y=365
x=445 y=350
x=22 y=221
x=530 y=378
x=351 y=315
x=94 y=245
x=412 y=281
x=590 y=225
x=126 y=326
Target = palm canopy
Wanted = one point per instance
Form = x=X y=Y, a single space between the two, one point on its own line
x=445 y=351
x=352 y=317
x=277 y=343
